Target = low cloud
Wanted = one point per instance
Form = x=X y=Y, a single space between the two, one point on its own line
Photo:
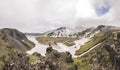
x=44 y=15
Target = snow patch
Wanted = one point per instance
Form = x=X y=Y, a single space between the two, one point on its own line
x=72 y=49
x=38 y=47
x=60 y=47
x=82 y=41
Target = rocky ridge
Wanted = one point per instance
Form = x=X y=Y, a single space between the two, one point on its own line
x=52 y=61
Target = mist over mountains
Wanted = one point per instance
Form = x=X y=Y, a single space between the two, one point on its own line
x=73 y=32
x=59 y=35
x=41 y=16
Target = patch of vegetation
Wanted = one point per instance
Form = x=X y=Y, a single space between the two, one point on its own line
x=32 y=59
x=98 y=58
x=77 y=60
x=93 y=58
x=54 y=40
x=1 y=64
x=69 y=43
x=94 y=41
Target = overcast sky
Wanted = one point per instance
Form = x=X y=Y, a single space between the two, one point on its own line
x=44 y=15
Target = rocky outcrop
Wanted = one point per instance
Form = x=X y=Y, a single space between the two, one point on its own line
x=12 y=41
x=17 y=62
x=113 y=47
x=105 y=56
x=52 y=61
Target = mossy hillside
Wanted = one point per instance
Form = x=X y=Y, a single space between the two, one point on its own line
x=5 y=54
x=69 y=43
x=100 y=37
x=93 y=58
x=82 y=64
x=94 y=41
x=98 y=58
x=7 y=50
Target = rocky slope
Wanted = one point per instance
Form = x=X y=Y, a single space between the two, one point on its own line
x=90 y=32
x=105 y=56
x=52 y=61
x=12 y=40
x=13 y=47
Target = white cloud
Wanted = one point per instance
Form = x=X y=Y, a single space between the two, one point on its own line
x=43 y=15
x=85 y=9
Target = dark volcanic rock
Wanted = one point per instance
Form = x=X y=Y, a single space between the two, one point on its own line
x=11 y=41
x=114 y=56
x=19 y=62
x=37 y=54
x=114 y=52
x=52 y=61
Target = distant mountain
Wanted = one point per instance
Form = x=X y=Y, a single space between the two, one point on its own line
x=74 y=32
x=63 y=32
x=90 y=32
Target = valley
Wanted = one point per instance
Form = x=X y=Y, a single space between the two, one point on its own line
x=88 y=49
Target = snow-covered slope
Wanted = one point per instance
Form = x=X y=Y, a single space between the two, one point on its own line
x=90 y=32
x=63 y=32
x=72 y=49
x=60 y=47
x=40 y=48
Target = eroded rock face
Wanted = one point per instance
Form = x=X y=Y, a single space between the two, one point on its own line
x=114 y=56
x=52 y=61
x=11 y=41
x=19 y=62
x=114 y=51
x=15 y=39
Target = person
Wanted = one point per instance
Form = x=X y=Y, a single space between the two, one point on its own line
x=49 y=44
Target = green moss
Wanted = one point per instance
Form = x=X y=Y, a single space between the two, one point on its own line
x=69 y=43
x=94 y=41
x=1 y=64
x=54 y=40
x=86 y=62
x=32 y=59
x=77 y=60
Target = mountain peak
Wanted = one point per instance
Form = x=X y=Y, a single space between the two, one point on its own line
x=61 y=28
x=101 y=26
